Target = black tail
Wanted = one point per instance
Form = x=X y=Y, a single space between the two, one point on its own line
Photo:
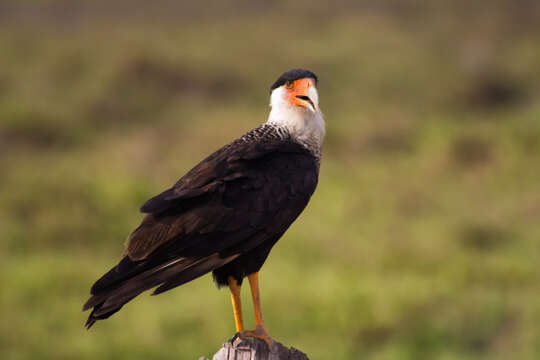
x=93 y=317
x=130 y=278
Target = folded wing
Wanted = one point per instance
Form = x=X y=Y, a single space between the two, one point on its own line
x=236 y=199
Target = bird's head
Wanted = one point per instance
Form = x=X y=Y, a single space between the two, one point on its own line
x=297 y=87
x=295 y=105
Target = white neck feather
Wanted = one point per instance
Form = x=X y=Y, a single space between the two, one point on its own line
x=304 y=124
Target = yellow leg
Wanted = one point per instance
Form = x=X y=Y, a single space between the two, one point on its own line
x=236 y=303
x=254 y=285
x=260 y=329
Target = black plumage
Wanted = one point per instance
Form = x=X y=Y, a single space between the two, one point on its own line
x=292 y=75
x=223 y=216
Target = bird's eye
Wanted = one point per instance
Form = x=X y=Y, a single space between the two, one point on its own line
x=289 y=84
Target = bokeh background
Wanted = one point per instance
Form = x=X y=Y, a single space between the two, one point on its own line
x=421 y=242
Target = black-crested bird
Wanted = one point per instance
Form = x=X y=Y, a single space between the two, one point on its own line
x=227 y=212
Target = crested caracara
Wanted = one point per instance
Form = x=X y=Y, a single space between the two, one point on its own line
x=227 y=212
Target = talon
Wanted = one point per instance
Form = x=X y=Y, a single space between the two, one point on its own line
x=260 y=332
x=235 y=336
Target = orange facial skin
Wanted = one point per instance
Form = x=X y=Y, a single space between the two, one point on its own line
x=298 y=92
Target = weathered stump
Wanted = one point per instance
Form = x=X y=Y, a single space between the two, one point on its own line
x=256 y=349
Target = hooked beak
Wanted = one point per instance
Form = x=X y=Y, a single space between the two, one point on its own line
x=307 y=99
x=299 y=93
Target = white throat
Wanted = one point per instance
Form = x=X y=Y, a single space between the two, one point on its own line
x=304 y=124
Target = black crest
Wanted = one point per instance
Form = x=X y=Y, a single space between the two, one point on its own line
x=292 y=75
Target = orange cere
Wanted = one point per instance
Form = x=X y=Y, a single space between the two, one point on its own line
x=297 y=88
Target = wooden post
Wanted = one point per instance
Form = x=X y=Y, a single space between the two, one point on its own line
x=256 y=349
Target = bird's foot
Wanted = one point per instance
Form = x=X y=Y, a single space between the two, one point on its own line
x=260 y=332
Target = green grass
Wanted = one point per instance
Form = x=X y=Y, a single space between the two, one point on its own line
x=421 y=242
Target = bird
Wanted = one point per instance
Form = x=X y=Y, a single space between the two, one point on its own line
x=226 y=213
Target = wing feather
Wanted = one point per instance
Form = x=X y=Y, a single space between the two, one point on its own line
x=231 y=202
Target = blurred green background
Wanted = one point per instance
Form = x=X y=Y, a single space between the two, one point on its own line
x=421 y=242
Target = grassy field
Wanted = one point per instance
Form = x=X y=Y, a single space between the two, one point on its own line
x=421 y=242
